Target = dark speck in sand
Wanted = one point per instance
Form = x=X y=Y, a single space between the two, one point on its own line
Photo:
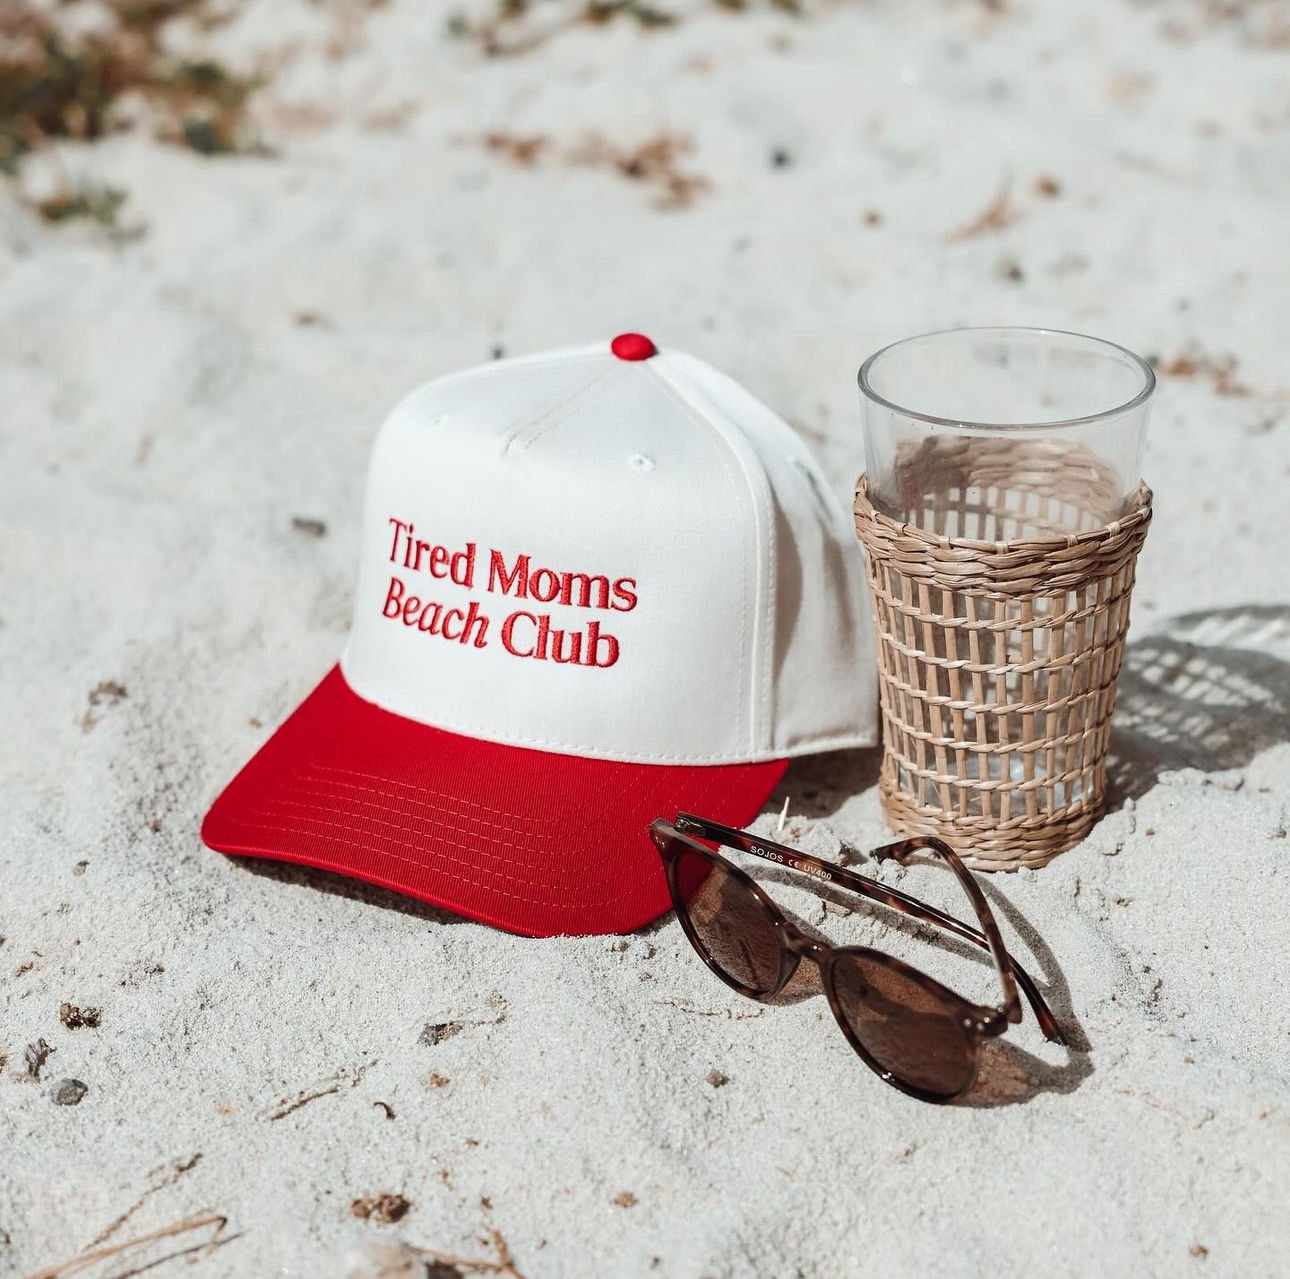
x=384 y=1209
x=68 y=1092
x=74 y=1017
x=35 y=1057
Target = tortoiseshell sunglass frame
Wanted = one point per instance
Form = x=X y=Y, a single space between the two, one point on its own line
x=979 y=1021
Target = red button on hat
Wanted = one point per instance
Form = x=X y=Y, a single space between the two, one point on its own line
x=633 y=346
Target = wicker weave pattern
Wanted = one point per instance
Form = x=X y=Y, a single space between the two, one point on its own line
x=998 y=662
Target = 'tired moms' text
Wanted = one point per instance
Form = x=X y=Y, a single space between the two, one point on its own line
x=523 y=632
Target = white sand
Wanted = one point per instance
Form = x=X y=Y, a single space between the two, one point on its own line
x=165 y=417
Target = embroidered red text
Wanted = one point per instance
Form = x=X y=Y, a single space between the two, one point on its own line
x=532 y=635
x=582 y=590
x=466 y=625
x=421 y=556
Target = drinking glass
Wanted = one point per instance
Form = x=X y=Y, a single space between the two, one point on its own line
x=1046 y=427
x=1002 y=512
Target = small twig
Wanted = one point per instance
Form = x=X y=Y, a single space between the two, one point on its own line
x=686 y=1007
x=281 y=1109
x=504 y=1265
x=177 y=1170
x=994 y=217
x=783 y=818
x=216 y=1219
x=289 y=1107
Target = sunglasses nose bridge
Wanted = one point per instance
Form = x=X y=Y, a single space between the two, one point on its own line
x=804 y=947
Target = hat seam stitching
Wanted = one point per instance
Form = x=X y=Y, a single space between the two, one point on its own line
x=763 y=536
x=726 y=453
x=269 y=807
x=484 y=371
x=521 y=433
x=457 y=874
x=362 y=782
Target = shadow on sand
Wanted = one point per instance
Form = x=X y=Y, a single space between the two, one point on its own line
x=1209 y=691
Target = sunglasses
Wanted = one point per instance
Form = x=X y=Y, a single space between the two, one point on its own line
x=916 y=1034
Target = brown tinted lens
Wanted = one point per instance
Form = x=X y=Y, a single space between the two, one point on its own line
x=907 y=1030
x=730 y=923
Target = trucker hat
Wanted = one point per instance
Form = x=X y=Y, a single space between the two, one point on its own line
x=596 y=587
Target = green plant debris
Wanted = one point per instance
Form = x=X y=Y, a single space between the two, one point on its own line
x=792 y=7
x=99 y=204
x=518 y=26
x=57 y=85
x=647 y=15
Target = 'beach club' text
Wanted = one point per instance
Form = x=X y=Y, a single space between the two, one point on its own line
x=523 y=632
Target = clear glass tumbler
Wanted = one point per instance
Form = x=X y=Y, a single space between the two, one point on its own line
x=1002 y=433
x=1002 y=514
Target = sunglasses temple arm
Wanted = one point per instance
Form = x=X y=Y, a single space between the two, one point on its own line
x=1007 y=966
x=892 y=897
x=905 y=848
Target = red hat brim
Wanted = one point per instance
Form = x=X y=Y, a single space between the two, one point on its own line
x=529 y=841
